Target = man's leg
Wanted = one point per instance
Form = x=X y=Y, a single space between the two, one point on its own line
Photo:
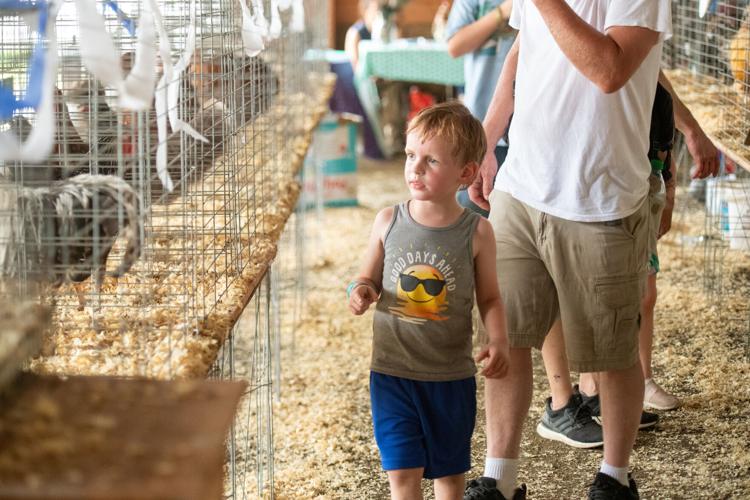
x=646 y=333
x=621 y=393
x=531 y=308
x=507 y=403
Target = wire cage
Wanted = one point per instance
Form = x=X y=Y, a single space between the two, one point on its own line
x=708 y=62
x=157 y=217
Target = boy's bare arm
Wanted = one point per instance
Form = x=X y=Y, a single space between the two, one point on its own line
x=490 y=303
x=472 y=36
x=369 y=281
x=606 y=59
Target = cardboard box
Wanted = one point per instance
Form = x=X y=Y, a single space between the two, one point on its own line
x=330 y=174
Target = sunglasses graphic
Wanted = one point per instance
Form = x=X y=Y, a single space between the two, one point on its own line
x=431 y=286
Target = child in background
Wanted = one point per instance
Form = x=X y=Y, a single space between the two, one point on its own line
x=426 y=259
x=478 y=30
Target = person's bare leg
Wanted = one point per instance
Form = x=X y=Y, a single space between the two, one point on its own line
x=556 y=366
x=449 y=487
x=646 y=333
x=588 y=383
x=507 y=402
x=621 y=393
x=406 y=484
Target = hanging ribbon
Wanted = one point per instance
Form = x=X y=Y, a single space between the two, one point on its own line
x=101 y=58
x=252 y=37
x=275 y=29
x=168 y=91
x=297 y=23
x=126 y=21
x=39 y=89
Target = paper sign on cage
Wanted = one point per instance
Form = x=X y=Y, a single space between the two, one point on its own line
x=39 y=90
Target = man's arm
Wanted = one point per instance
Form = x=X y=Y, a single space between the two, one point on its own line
x=703 y=151
x=495 y=124
x=472 y=36
x=607 y=59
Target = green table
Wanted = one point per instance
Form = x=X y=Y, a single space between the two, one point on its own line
x=406 y=60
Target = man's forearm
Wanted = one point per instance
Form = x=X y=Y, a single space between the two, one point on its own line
x=501 y=107
x=605 y=61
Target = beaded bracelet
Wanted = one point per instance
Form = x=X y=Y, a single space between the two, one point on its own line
x=354 y=284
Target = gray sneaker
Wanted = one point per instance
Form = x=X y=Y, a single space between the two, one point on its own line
x=571 y=424
x=648 y=419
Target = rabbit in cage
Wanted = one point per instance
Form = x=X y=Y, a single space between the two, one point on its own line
x=68 y=229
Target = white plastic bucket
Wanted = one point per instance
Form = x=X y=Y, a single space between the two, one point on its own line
x=735 y=214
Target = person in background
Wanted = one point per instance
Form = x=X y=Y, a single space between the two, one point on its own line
x=478 y=30
x=426 y=260
x=360 y=30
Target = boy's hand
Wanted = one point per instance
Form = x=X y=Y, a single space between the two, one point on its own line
x=496 y=354
x=361 y=297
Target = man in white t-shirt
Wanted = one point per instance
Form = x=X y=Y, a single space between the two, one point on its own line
x=569 y=213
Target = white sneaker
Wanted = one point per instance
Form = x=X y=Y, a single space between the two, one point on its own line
x=656 y=398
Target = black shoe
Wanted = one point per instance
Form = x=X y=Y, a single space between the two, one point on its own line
x=485 y=488
x=648 y=419
x=571 y=424
x=606 y=487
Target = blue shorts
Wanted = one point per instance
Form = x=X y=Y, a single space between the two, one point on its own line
x=424 y=424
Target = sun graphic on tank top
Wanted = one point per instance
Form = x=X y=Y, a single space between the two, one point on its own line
x=420 y=294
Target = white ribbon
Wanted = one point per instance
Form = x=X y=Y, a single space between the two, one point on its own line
x=275 y=29
x=168 y=91
x=252 y=38
x=284 y=4
x=297 y=23
x=42 y=137
x=101 y=58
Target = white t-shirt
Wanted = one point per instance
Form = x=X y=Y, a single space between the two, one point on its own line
x=576 y=152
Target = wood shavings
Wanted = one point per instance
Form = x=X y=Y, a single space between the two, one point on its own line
x=169 y=316
x=324 y=447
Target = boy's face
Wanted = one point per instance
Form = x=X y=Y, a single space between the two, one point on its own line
x=431 y=170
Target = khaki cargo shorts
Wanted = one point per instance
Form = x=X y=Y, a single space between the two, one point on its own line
x=590 y=274
x=657 y=199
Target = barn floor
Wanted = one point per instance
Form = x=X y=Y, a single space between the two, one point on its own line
x=322 y=429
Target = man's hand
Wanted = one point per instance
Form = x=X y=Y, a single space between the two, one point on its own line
x=361 y=297
x=704 y=153
x=496 y=354
x=480 y=189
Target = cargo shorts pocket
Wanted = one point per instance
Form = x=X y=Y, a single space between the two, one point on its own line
x=616 y=315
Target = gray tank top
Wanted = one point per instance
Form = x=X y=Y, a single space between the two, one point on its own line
x=422 y=328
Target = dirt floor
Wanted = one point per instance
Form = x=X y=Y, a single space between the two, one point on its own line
x=322 y=427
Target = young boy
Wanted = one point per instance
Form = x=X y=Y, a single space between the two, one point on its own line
x=426 y=259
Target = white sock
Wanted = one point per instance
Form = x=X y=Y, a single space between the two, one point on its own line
x=619 y=473
x=505 y=472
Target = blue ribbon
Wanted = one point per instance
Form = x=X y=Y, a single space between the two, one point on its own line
x=33 y=94
x=127 y=22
